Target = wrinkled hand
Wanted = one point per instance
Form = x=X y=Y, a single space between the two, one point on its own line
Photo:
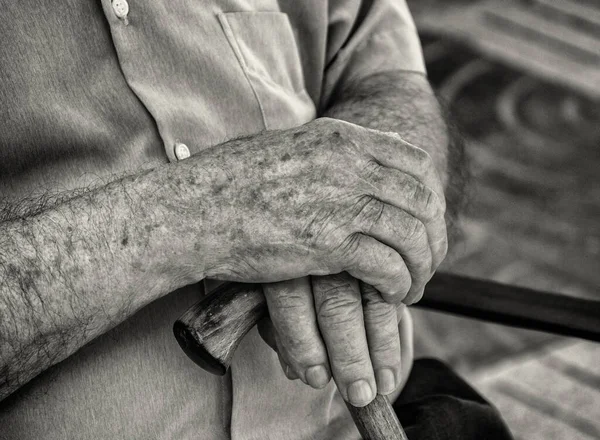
x=332 y=325
x=324 y=326
x=324 y=198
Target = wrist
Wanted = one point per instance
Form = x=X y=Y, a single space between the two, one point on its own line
x=173 y=228
x=400 y=102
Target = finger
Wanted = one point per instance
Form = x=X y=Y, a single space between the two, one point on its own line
x=404 y=191
x=414 y=297
x=402 y=232
x=381 y=325
x=283 y=360
x=407 y=193
x=394 y=152
x=339 y=313
x=292 y=311
x=378 y=264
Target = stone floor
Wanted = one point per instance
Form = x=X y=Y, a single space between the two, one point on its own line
x=533 y=139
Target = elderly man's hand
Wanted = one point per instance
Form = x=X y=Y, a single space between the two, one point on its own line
x=332 y=325
x=335 y=325
x=320 y=199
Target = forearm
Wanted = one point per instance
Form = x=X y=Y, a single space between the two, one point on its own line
x=70 y=272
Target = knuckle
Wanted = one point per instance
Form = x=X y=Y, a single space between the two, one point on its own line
x=339 y=306
x=429 y=202
x=387 y=259
x=371 y=298
x=349 y=249
x=420 y=271
x=302 y=354
x=372 y=171
x=401 y=282
x=379 y=312
x=350 y=362
x=415 y=231
x=386 y=346
x=299 y=348
x=370 y=211
x=287 y=302
x=369 y=292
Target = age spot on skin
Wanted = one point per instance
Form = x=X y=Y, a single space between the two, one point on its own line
x=285 y=157
x=235 y=234
x=298 y=134
x=218 y=189
x=288 y=195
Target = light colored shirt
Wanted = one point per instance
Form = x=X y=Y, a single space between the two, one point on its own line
x=92 y=88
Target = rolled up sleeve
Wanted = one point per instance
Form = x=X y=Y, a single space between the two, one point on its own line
x=367 y=37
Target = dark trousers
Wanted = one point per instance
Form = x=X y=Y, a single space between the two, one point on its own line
x=436 y=404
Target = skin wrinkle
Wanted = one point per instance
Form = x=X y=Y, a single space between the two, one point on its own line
x=402 y=103
x=50 y=340
x=90 y=258
x=398 y=102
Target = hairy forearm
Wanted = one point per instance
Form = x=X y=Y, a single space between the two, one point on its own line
x=72 y=270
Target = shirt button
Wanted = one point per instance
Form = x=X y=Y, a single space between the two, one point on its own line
x=121 y=8
x=181 y=151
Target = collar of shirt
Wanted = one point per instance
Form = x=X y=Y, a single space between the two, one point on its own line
x=91 y=89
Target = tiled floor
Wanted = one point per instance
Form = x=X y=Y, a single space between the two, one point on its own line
x=534 y=215
x=550 y=394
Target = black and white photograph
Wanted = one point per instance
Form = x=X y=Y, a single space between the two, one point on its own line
x=300 y=220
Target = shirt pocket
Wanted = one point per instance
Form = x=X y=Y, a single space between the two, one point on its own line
x=266 y=49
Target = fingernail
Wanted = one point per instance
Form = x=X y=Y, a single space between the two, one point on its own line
x=317 y=376
x=360 y=393
x=386 y=381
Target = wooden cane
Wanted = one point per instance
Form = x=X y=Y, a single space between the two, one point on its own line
x=514 y=306
x=211 y=330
